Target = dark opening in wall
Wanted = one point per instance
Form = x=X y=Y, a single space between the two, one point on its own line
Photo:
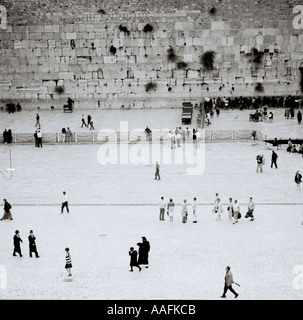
x=213 y=11
x=181 y=65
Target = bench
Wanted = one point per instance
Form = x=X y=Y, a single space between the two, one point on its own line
x=67 y=108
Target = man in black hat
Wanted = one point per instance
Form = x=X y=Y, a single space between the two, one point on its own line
x=17 y=240
x=32 y=244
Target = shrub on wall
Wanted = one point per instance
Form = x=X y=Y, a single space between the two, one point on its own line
x=112 y=49
x=124 y=29
x=148 y=28
x=208 y=59
x=150 y=86
x=259 y=87
x=213 y=10
x=171 y=56
x=181 y=65
x=59 y=89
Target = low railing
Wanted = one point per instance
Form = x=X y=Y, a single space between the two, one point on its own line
x=133 y=137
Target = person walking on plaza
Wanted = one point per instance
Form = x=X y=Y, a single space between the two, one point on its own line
x=68 y=262
x=170 y=210
x=64 y=203
x=298 y=179
x=37 y=120
x=218 y=210
x=274 y=158
x=146 y=245
x=157 y=173
x=162 y=209
x=215 y=203
x=251 y=208
x=228 y=281
x=39 y=136
x=237 y=214
x=17 y=240
x=230 y=209
x=91 y=124
x=184 y=211
x=299 y=117
x=259 y=163
x=89 y=117
x=68 y=135
x=195 y=208
x=133 y=259
x=32 y=244
x=7 y=211
x=83 y=123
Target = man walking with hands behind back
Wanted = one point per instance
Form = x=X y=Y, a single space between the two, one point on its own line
x=228 y=283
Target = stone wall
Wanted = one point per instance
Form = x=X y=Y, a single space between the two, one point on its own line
x=100 y=55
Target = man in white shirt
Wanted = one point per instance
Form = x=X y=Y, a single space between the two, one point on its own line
x=251 y=208
x=64 y=203
x=162 y=209
x=236 y=208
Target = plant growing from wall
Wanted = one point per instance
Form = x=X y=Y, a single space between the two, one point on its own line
x=124 y=29
x=101 y=11
x=148 y=28
x=171 y=56
x=213 y=11
x=150 y=86
x=112 y=49
x=207 y=60
x=59 y=89
x=259 y=87
x=257 y=56
x=181 y=65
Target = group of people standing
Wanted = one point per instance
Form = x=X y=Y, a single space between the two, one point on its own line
x=7 y=136
x=177 y=136
x=233 y=209
x=170 y=208
x=140 y=257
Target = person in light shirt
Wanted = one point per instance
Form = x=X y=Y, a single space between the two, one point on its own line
x=236 y=208
x=64 y=203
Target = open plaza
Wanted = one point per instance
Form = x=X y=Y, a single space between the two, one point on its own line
x=113 y=205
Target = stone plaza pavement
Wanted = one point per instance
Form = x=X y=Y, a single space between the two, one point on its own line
x=113 y=206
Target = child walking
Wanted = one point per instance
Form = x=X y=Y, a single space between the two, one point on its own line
x=68 y=262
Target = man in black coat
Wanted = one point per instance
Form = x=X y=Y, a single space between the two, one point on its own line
x=17 y=240
x=32 y=244
x=146 y=245
x=133 y=259
x=274 y=158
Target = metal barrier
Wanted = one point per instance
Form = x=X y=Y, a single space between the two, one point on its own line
x=134 y=136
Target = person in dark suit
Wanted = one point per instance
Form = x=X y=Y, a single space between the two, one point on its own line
x=228 y=283
x=70 y=103
x=17 y=240
x=7 y=211
x=133 y=259
x=32 y=244
x=146 y=245
x=274 y=158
